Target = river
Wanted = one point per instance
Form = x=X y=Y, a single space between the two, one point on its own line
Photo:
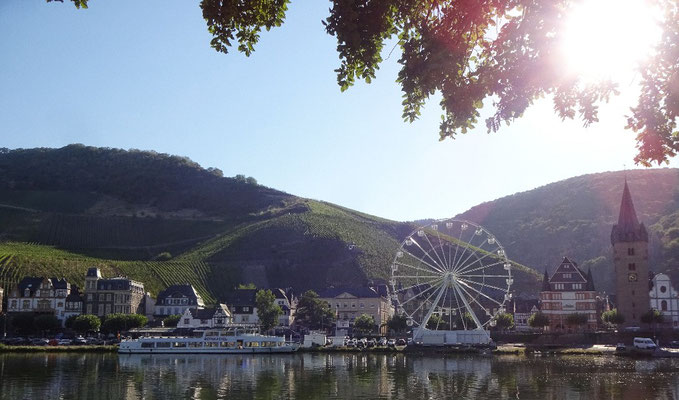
x=333 y=376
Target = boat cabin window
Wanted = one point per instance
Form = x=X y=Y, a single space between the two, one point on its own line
x=163 y=344
x=195 y=344
x=212 y=333
x=179 y=344
x=146 y=345
x=211 y=344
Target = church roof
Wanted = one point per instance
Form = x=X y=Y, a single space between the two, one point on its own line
x=628 y=228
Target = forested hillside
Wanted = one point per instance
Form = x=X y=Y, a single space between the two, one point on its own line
x=164 y=219
x=574 y=218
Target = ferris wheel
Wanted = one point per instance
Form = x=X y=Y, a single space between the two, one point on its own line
x=450 y=275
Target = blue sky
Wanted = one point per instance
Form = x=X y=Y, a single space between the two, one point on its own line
x=131 y=74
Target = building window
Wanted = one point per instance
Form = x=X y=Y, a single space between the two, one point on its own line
x=663 y=289
x=567 y=275
x=630 y=251
x=663 y=305
x=246 y=309
x=632 y=266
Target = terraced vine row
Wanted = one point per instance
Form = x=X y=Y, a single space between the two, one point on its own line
x=19 y=259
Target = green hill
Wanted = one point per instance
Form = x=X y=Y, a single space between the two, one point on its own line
x=164 y=219
x=574 y=218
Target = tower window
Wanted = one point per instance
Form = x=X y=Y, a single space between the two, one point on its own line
x=632 y=266
x=630 y=251
x=663 y=305
x=632 y=292
x=663 y=289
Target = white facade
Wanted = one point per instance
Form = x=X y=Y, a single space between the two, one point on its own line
x=40 y=295
x=205 y=318
x=665 y=299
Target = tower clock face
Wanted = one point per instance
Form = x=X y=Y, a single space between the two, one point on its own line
x=632 y=277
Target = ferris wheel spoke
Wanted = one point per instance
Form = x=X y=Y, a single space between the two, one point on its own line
x=443 y=301
x=486 y=276
x=480 y=268
x=446 y=262
x=457 y=247
x=426 y=253
x=429 y=271
x=457 y=267
x=438 y=290
x=459 y=309
x=468 y=243
x=483 y=284
x=435 y=252
x=461 y=282
x=469 y=308
x=419 y=284
x=422 y=259
x=416 y=276
x=463 y=267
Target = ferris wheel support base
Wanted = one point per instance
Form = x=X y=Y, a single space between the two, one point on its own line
x=428 y=337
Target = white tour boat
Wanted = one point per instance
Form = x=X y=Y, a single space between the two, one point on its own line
x=234 y=340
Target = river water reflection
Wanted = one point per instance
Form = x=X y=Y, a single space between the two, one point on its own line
x=333 y=376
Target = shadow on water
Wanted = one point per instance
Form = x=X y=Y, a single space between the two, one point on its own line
x=337 y=375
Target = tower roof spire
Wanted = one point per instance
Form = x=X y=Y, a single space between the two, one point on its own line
x=628 y=228
x=627 y=220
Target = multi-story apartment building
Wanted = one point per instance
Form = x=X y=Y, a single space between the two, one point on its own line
x=568 y=291
x=40 y=295
x=349 y=303
x=115 y=295
x=176 y=299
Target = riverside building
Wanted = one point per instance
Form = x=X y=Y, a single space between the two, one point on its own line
x=116 y=295
x=568 y=291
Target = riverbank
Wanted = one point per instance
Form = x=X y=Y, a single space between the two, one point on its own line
x=57 y=349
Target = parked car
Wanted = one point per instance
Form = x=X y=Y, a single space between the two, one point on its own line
x=39 y=342
x=391 y=342
x=620 y=347
x=94 y=341
x=370 y=343
x=79 y=341
x=53 y=342
x=65 y=342
x=674 y=344
x=632 y=329
x=401 y=342
x=382 y=341
x=644 y=343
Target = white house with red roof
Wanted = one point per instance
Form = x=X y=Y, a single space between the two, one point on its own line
x=568 y=291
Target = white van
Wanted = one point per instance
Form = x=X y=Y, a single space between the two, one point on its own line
x=644 y=343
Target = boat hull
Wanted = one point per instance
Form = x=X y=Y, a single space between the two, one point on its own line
x=261 y=350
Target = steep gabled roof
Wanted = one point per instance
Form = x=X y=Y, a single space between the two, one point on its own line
x=242 y=297
x=568 y=272
x=179 y=291
x=628 y=228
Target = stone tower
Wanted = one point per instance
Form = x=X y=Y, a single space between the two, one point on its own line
x=630 y=254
